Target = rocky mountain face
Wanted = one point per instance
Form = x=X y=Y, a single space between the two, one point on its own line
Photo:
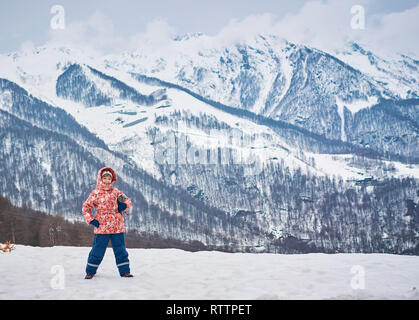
x=264 y=146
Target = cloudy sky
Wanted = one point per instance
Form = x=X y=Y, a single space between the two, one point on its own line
x=108 y=26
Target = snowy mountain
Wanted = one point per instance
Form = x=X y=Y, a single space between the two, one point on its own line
x=264 y=144
x=297 y=84
x=397 y=76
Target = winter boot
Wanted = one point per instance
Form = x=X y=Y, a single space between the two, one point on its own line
x=127 y=275
x=89 y=276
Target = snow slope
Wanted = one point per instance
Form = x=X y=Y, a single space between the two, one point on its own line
x=396 y=75
x=38 y=71
x=58 y=273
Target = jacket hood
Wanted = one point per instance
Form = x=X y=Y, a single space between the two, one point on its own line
x=100 y=184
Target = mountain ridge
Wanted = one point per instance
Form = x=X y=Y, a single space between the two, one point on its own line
x=333 y=176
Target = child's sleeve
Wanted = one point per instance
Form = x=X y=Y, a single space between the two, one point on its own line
x=88 y=206
x=127 y=202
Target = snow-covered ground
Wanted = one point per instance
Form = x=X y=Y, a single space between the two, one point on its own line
x=58 y=273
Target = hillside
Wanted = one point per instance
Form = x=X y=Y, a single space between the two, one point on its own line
x=259 y=146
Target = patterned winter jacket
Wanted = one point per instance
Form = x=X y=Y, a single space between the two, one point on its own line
x=103 y=199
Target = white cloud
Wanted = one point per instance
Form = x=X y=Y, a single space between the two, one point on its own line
x=396 y=32
x=157 y=36
x=318 y=24
x=327 y=25
x=237 y=31
x=321 y=24
x=96 y=34
x=27 y=46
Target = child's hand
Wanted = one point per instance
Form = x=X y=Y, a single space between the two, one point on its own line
x=122 y=197
x=95 y=223
x=122 y=207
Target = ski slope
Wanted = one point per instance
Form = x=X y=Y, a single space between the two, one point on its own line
x=58 y=273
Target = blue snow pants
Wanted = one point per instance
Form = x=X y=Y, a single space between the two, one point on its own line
x=100 y=242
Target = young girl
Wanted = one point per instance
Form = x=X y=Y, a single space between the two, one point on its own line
x=108 y=222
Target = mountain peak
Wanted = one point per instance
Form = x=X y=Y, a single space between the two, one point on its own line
x=187 y=36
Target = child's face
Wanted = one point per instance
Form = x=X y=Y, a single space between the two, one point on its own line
x=107 y=179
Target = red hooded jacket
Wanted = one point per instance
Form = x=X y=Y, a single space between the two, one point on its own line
x=103 y=199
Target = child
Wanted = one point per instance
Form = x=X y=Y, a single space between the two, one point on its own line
x=108 y=222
